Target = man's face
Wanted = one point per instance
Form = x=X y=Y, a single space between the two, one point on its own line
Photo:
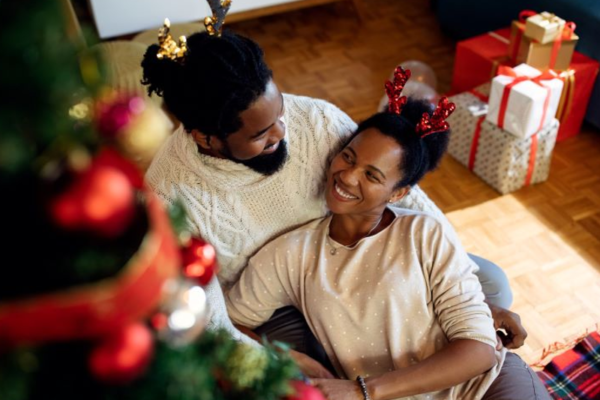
x=259 y=143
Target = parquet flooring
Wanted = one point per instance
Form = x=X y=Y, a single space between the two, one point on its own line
x=546 y=237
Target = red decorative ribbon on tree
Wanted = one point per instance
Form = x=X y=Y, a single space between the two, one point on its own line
x=100 y=309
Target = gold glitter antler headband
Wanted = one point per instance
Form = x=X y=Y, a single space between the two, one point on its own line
x=215 y=23
x=169 y=48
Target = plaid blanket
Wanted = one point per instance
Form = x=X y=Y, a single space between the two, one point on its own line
x=575 y=374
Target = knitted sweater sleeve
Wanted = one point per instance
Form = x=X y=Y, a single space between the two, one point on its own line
x=417 y=200
x=218 y=317
x=455 y=290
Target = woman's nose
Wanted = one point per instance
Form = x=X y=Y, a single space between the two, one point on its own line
x=348 y=176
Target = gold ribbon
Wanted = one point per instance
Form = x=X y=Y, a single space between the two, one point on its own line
x=566 y=98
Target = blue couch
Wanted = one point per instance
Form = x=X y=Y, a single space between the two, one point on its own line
x=461 y=19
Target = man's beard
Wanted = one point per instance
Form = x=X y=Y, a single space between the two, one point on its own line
x=267 y=164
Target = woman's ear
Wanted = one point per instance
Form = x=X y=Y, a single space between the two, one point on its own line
x=201 y=139
x=399 y=194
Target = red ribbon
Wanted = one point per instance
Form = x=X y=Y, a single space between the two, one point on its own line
x=479 y=95
x=523 y=15
x=566 y=34
x=508 y=71
x=95 y=310
x=532 y=155
x=475 y=143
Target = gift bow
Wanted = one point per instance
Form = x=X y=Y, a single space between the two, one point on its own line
x=523 y=15
x=509 y=71
x=549 y=18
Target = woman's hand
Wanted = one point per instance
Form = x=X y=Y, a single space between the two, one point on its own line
x=511 y=323
x=338 y=389
x=310 y=367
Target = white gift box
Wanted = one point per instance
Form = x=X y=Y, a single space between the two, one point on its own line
x=529 y=105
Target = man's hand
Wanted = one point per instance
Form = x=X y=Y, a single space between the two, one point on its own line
x=310 y=367
x=338 y=389
x=510 y=322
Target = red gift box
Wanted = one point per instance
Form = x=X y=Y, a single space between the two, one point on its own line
x=477 y=60
x=579 y=82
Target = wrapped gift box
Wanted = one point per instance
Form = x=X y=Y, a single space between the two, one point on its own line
x=555 y=55
x=544 y=27
x=523 y=107
x=478 y=58
x=579 y=81
x=502 y=160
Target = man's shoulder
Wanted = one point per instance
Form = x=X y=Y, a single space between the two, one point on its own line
x=307 y=104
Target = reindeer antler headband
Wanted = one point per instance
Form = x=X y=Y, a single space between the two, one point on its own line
x=169 y=48
x=175 y=51
x=428 y=124
x=215 y=23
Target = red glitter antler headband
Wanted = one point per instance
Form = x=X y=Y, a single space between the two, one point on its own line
x=393 y=89
x=437 y=121
x=428 y=124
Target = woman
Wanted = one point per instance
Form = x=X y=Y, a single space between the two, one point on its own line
x=388 y=292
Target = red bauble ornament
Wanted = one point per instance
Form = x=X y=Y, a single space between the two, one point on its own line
x=199 y=261
x=304 y=391
x=114 y=115
x=101 y=200
x=124 y=356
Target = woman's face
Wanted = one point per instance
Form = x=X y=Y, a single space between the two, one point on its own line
x=362 y=177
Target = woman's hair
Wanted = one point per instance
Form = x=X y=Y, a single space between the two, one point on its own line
x=219 y=78
x=419 y=155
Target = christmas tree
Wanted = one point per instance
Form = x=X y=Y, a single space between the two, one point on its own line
x=101 y=292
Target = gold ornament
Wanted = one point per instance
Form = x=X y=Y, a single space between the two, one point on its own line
x=246 y=365
x=145 y=134
x=169 y=48
x=82 y=110
x=215 y=23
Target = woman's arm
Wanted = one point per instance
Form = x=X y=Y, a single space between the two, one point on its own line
x=308 y=365
x=268 y=282
x=458 y=362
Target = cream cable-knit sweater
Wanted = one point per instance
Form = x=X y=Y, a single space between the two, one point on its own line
x=239 y=210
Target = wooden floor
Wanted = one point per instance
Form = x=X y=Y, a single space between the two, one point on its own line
x=546 y=237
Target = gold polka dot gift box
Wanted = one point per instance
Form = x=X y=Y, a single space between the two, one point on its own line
x=504 y=161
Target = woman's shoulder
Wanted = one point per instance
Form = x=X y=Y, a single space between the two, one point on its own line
x=421 y=221
x=293 y=238
x=415 y=216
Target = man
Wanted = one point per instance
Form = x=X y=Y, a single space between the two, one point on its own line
x=249 y=163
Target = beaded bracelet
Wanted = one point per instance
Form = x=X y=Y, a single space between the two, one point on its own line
x=363 y=387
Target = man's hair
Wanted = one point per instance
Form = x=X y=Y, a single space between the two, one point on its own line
x=219 y=78
x=419 y=155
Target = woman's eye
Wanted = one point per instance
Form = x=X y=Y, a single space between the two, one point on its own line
x=372 y=176
x=346 y=157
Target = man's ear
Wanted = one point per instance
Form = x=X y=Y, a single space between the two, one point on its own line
x=399 y=194
x=201 y=139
